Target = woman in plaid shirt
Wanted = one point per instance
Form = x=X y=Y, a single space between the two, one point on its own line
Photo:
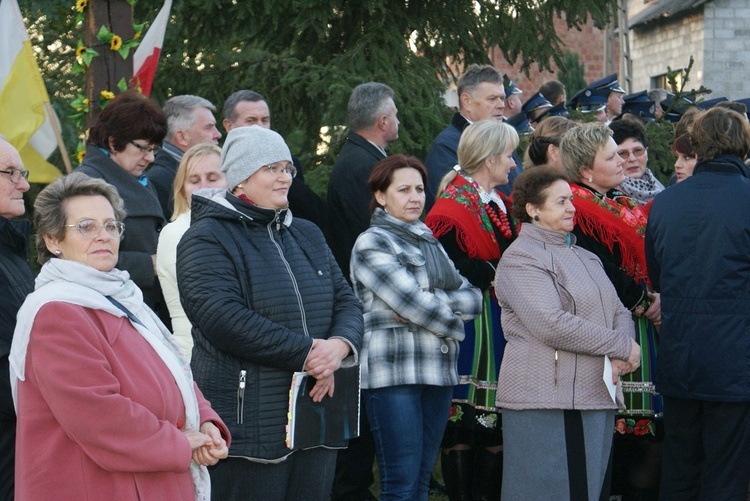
x=415 y=304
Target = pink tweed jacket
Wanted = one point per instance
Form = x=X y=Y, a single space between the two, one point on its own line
x=560 y=315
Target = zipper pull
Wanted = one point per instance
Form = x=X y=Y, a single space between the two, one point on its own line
x=241 y=397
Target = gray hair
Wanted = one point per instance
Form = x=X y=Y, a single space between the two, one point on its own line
x=180 y=112
x=367 y=103
x=229 y=112
x=49 y=207
x=477 y=75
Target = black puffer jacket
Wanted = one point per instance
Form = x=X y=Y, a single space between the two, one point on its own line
x=258 y=288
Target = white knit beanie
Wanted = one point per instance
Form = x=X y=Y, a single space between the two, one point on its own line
x=247 y=149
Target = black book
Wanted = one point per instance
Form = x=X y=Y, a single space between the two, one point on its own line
x=334 y=419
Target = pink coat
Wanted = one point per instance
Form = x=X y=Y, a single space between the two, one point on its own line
x=99 y=413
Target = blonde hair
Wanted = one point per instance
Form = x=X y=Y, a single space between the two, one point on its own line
x=579 y=146
x=480 y=141
x=190 y=160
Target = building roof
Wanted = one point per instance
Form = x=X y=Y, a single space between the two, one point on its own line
x=662 y=9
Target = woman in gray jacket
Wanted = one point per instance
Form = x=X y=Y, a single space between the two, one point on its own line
x=569 y=339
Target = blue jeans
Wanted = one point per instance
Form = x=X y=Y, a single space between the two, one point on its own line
x=407 y=425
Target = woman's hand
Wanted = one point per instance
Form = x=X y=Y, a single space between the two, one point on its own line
x=325 y=357
x=197 y=439
x=653 y=312
x=322 y=388
x=210 y=454
x=619 y=368
x=634 y=359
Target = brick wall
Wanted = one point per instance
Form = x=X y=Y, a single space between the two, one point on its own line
x=590 y=45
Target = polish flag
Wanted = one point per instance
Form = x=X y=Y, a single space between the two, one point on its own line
x=146 y=57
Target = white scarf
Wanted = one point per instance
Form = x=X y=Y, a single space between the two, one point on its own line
x=76 y=283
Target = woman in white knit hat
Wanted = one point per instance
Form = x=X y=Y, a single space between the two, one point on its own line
x=266 y=299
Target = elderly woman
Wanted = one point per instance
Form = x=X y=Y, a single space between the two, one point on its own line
x=415 y=304
x=471 y=220
x=682 y=149
x=199 y=168
x=632 y=146
x=97 y=374
x=120 y=146
x=612 y=226
x=563 y=322
x=544 y=146
x=266 y=299
x=16 y=281
x=696 y=245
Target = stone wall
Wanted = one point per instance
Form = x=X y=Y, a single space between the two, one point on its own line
x=727 y=48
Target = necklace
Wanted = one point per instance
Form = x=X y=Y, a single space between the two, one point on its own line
x=499 y=220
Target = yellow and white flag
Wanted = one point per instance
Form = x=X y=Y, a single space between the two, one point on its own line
x=24 y=121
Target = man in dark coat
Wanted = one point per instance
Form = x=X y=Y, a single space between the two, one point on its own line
x=373 y=125
x=16 y=281
x=190 y=121
x=245 y=108
x=698 y=254
x=481 y=96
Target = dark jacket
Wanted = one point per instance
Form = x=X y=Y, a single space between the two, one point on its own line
x=304 y=202
x=258 y=287
x=161 y=175
x=143 y=222
x=698 y=253
x=349 y=196
x=443 y=155
x=16 y=281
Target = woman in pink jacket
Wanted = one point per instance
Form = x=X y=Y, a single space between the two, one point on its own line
x=107 y=407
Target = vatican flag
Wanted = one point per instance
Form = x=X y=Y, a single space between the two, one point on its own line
x=25 y=121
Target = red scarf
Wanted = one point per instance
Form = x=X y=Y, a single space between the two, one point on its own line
x=459 y=208
x=614 y=221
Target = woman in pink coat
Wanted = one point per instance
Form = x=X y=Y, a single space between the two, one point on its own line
x=107 y=407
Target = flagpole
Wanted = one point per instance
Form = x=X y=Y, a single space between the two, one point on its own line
x=58 y=136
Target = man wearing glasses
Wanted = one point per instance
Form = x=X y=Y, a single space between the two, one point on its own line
x=16 y=281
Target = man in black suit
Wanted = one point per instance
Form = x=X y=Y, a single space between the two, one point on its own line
x=372 y=126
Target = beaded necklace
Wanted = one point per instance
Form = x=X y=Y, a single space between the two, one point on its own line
x=497 y=217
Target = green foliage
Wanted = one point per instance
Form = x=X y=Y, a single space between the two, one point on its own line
x=571 y=73
x=660 y=158
x=305 y=56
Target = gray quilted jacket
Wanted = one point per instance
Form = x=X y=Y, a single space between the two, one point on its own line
x=560 y=315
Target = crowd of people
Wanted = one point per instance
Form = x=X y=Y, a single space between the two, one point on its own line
x=566 y=326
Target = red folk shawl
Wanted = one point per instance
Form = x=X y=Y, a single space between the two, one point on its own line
x=619 y=221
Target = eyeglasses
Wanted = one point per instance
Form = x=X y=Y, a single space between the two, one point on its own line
x=17 y=174
x=146 y=149
x=279 y=168
x=637 y=153
x=90 y=228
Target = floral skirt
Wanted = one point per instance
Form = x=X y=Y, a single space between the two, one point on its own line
x=644 y=408
x=473 y=417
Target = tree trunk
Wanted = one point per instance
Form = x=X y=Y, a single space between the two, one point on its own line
x=107 y=69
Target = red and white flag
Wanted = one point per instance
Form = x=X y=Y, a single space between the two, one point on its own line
x=146 y=57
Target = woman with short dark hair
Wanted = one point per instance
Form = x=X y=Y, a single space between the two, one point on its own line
x=120 y=146
x=415 y=305
x=563 y=322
